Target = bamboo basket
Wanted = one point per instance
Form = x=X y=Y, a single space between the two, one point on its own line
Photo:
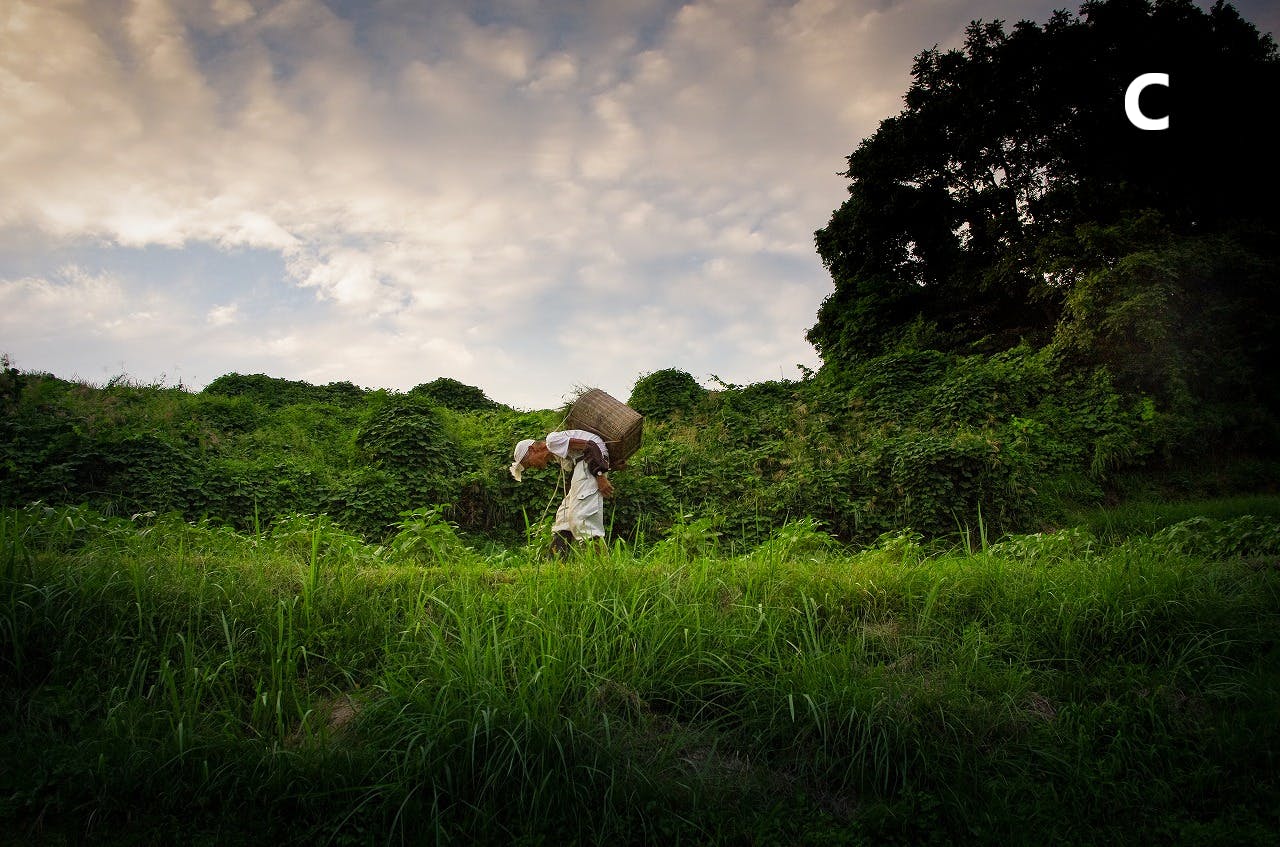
x=618 y=424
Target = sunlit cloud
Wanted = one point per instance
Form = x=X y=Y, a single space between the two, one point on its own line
x=71 y=297
x=222 y=315
x=540 y=197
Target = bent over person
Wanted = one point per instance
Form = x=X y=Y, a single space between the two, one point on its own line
x=581 y=514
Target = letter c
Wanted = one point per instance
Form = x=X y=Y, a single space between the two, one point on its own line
x=1131 y=108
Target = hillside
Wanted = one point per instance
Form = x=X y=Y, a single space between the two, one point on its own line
x=923 y=440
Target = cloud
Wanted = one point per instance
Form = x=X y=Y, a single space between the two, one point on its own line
x=222 y=315
x=546 y=195
x=72 y=298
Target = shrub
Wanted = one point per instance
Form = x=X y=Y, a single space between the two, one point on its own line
x=274 y=392
x=425 y=537
x=404 y=435
x=663 y=393
x=454 y=395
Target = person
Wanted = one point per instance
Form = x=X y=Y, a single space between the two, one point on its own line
x=585 y=454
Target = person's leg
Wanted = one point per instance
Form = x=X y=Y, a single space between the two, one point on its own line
x=588 y=523
x=561 y=532
x=561 y=543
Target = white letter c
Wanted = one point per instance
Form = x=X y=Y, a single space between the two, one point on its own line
x=1131 y=95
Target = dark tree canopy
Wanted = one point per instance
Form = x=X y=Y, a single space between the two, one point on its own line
x=974 y=212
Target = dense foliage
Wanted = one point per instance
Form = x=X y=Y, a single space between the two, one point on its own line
x=448 y=392
x=1035 y=304
x=663 y=393
x=273 y=391
x=1011 y=203
x=929 y=440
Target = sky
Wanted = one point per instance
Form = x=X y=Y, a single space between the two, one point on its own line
x=526 y=197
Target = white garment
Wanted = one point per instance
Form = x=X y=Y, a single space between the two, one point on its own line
x=582 y=511
x=522 y=450
x=558 y=442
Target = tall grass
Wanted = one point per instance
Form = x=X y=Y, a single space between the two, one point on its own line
x=1143 y=517
x=1060 y=687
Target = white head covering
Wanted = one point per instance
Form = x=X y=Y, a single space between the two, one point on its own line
x=518 y=454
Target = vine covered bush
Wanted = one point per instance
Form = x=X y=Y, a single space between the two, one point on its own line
x=665 y=392
x=454 y=395
x=274 y=392
x=928 y=441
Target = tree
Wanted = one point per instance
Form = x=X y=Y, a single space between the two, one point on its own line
x=963 y=226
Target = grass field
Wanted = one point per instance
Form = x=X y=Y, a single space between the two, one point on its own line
x=1113 y=683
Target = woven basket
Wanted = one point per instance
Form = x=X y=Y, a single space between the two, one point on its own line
x=618 y=424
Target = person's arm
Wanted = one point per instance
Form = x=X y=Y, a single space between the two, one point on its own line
x=597 y=464
x=596 y=461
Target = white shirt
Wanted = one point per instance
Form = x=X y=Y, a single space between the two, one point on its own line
x=558 y=442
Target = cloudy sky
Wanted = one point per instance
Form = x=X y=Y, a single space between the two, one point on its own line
x=524 y=196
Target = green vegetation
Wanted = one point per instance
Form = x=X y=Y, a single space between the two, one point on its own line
x=454 y=395
x=1005 y=570
x=1030 y=318
x=665 y=392
x=1010 y=204
x=174 y=680
x=923 y=440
